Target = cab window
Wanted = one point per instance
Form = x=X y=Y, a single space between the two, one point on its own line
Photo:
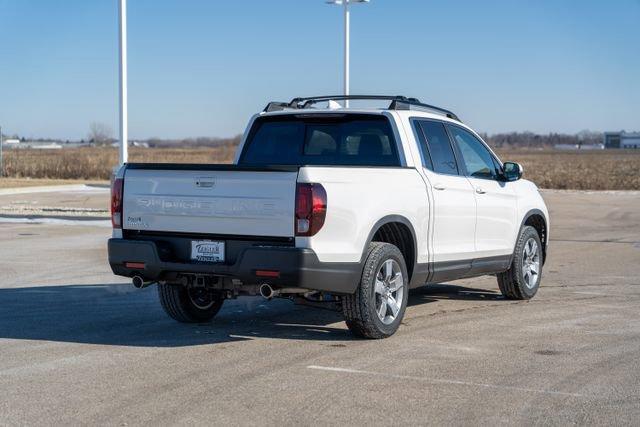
x=476 y=158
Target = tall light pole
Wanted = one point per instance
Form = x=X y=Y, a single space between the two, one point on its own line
x=124 y=130
x=1 y=164
x=345 y=4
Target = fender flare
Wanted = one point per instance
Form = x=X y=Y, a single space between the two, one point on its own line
x=386 y=220
x=528 y=215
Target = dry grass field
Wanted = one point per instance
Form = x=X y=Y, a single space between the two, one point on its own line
x=96 y=163
x=585 y=170
x=579 y=170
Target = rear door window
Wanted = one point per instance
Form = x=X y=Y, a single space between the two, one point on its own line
x=437 y=147
x=346 y=139
x=422 y=144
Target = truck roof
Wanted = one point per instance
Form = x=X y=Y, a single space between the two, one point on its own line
x=399 y=103
x=342 y=110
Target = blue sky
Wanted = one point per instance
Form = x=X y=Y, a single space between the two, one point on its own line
x=202 y=67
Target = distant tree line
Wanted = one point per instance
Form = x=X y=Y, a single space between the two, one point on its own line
x=534 y=140
x=202 y=141
x=102 y=135
x=499 y=140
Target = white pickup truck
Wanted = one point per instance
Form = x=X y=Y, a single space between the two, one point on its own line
x=357 y=205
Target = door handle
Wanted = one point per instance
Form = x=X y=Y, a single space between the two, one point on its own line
x=480 y=190
x=439 y=187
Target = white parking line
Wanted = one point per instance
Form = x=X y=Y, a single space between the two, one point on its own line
x=589 y=293
x=440 y=381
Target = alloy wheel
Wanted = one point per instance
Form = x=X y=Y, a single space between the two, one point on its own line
x=530 y=263
x=389 y=291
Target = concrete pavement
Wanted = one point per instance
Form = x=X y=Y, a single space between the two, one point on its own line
x=79 y=345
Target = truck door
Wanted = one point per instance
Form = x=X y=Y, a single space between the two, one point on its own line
x=452 y=241
x=496 y=225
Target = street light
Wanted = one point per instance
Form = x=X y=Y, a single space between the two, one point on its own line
x=1 y=164
x=346 y=4
x=123 y=81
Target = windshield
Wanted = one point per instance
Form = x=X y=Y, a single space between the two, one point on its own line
x=321 y=139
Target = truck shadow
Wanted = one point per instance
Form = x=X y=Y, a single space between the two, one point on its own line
x=440 y=291
x=118 y=314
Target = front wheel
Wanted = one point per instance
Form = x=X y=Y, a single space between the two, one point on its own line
x=378 y=305
x=189 y=305
x=522 y=280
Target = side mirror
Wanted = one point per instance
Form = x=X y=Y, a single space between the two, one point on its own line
x=511 y=171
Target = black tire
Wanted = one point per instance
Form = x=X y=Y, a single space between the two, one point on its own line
x=189 y=305
x=360 y=308
x=512 y=282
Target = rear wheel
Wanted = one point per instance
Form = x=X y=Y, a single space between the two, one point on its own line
x=378 y=305
x=189 y=305
x=522 y=280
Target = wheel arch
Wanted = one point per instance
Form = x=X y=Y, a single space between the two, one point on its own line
x=399 y=231
x=538 y=220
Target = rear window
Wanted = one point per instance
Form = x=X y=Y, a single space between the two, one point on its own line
x=345 y=139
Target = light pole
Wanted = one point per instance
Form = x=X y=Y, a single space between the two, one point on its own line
x=345 y=4
x=1 y=164
x=123 y=82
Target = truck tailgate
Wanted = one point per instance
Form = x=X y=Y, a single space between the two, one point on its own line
x=210 y=201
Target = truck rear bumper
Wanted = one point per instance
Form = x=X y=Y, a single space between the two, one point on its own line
x=297 y=267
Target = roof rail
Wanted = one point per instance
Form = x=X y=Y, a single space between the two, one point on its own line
x=276 y=106
x=398 y=102
x=412 y=102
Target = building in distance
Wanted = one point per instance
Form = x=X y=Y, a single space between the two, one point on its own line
x=622 y=139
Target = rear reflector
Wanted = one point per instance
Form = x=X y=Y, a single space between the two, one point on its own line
x=267 y=273
x=311 y=208
x=138 y=265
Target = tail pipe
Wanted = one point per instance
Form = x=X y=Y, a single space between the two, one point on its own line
x=139 y=282
x=268 y=292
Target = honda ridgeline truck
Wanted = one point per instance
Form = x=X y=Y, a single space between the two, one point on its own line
x=357 y=205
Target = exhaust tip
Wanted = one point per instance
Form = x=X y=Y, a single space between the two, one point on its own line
x=138 y=282
x=266 y=291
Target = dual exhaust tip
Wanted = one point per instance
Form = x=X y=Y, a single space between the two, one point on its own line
x=139 y=283
x=266 y=291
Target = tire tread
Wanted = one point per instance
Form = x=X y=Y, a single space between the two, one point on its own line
x=510 y=283
x=357 y=307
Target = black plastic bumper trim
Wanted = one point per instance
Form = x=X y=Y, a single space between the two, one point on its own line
x=298 y=267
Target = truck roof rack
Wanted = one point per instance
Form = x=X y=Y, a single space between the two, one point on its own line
x=398 y=102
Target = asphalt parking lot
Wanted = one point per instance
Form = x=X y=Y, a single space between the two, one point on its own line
x=81 y=346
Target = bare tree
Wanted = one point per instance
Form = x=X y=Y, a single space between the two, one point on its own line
x=100 y=133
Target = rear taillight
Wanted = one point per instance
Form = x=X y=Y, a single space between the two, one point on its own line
x=311 y=208
x=116 y=202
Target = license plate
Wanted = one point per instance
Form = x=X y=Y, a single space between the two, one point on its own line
x=207 y=251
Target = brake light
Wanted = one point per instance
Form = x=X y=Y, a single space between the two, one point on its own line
x=311 y=208
x=116 y=202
